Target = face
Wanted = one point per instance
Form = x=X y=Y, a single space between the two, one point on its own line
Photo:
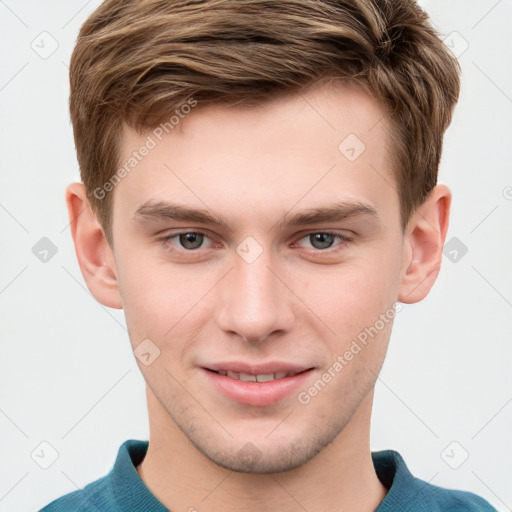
x=247 y=314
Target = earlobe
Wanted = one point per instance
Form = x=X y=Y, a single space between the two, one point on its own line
x=423 y=245
x=92 y=250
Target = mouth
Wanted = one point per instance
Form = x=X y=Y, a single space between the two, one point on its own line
x=250 y=377
x=255 y=385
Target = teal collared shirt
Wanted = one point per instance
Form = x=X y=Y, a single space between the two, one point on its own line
x=122 y=490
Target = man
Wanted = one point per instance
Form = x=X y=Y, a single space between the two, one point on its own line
x=259 y=192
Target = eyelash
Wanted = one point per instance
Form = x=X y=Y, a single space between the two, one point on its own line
x=344 y=240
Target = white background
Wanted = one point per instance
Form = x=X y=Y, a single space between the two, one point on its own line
x=67 y=375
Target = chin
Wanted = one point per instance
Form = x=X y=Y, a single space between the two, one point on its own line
x=251 y=459
x=270 y=454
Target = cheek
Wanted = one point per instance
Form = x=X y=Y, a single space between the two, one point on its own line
x=352 y=296
x=162 y=300
x=146 y=293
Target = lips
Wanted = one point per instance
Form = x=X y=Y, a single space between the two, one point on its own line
x=250 y=377
x=258 y=384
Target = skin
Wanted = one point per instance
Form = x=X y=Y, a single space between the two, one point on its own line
x=293 y=303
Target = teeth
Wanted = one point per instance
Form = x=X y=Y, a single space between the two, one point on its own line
x=265 y=377
x=248 y=377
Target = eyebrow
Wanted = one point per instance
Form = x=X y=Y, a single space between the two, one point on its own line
x=161 y=210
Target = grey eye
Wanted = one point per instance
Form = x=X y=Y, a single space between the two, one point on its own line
x=323 y=240
x=191 y=240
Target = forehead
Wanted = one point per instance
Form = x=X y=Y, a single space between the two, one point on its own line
x=324 y=145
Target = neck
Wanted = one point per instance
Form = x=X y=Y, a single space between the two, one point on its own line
x=340 y=477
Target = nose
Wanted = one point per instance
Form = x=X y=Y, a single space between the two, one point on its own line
x=254 y=300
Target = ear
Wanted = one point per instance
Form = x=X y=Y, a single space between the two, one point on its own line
x=94 y=255
x=423 y=245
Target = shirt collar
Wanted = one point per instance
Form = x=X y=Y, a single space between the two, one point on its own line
x=131 y=492
x=404 y=490
x=127 y=486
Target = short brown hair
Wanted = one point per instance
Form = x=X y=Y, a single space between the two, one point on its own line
x=137 y=61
